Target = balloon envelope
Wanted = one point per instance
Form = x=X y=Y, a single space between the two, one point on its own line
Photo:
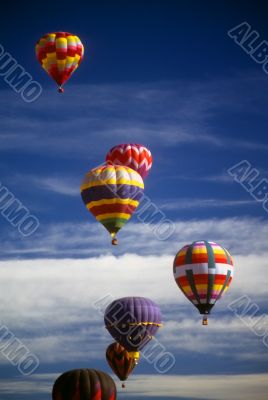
x=112 y=193
x=135 y=156
x=120 y=360
x=80 y=384
x=60 y=54
x=203 y=271
x=132 y=321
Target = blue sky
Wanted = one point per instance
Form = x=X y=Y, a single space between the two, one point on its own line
x=167 y=75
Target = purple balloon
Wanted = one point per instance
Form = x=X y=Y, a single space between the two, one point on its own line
x=132 y=321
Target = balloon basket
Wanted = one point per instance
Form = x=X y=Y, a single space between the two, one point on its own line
x=60 y=89
x=123 y=386
x=114 y=242
x=205 y=321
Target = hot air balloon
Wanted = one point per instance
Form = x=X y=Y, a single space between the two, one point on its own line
x=80 y=384
x=60 y=54
x=112 y=193
x=135 y=156
x=121 y=361
x=132 y=322
x=203 y=271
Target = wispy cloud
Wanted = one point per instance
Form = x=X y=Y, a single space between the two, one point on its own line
x=183 y=204
x=157 y=111
x=59 y=185
x=223 y=177
x=61 y=240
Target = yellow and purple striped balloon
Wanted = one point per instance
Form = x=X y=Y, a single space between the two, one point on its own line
x=112 y=193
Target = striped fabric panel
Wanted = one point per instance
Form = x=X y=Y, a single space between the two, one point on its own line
x=202 y=268
x=109 y=210
x=198 y=253
x=190 y=286
x=111 y=193
x=97 y=203
x=112 y=175
x=114 y=207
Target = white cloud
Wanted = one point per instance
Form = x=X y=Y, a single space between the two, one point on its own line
x=31 y=285
x=214 y=387
x=209 y=387
x=54 y=300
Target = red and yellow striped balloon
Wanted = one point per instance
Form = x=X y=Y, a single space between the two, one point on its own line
x=60 y=54
x=203 y=271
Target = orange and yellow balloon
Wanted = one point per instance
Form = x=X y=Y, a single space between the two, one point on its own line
x=121 y=361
